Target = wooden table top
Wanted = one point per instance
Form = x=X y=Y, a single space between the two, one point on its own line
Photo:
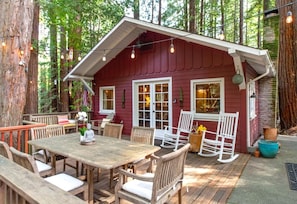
x=106 y=153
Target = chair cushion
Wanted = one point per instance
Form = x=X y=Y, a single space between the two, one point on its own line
x=104 y=121
x=141 y=188
x=63 y=119
x=42 y=166
x=64 y=181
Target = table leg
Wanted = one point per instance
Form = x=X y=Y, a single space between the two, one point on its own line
x=90 y=180
x=53 y=162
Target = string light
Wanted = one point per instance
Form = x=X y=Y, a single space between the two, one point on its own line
x=133 y=53
x=79 y=57
x=172 y=46
x=289 y=18
x=104 y=57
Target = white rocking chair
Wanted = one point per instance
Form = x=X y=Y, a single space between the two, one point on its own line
x=177 y=136
x=223 y=141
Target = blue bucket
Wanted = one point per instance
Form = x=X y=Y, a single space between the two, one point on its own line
x=268 y=148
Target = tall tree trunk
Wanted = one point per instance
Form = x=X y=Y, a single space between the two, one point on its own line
x=32 y=86
x=136 y=9
x=16 y=29
x=192 y=8
x=54 y=68
x=241 y=22
x=64 y=89
x=160 y=12
x=287 y=61
x=201 y=29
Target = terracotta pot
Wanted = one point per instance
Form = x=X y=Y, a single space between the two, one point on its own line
x=270 y=133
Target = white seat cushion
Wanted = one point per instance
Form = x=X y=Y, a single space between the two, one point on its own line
x=140 y=188
x=42 y=166
x=64 y=181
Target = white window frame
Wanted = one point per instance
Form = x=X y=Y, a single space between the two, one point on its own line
x=207 y=116
x=101 y=90
x=252 y=92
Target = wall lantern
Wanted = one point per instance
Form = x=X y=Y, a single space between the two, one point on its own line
x=237 y=78
x=181 y=97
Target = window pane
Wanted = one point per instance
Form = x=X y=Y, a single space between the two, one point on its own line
x=207 y=97
x=107 y=103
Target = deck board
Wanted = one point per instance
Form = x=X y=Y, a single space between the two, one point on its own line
x=207 y=180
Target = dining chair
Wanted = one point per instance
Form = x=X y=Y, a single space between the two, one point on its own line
x=112 y=130
x=222 y=142
x=157 y=187
x=4 y=150
x=43 y=169
x=62 y=180
x=144 y=135
x=176 y=136
x=98 y=125
x=43 y=155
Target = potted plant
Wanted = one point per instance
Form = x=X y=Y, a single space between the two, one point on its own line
x=82 y=131
x=195 y=138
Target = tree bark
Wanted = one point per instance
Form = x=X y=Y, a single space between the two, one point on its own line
x=287 y=66
x=16 y=29
x=32 y=86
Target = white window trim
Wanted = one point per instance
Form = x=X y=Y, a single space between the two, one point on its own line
x=252 y=108
x=206 y=116
x=101 y=110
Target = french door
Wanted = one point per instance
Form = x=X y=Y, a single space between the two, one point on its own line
x=153 y=107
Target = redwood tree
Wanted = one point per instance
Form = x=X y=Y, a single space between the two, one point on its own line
x=287 y=61
x=16 y=28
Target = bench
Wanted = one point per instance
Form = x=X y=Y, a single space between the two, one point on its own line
x=56 y=119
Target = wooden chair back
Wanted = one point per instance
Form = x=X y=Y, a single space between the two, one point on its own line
x=25 y=160
x=113 y=130
x=227 y=125
x=185 y=122
x=4 y=150
x=167 y=180
x=55 y=130
x=169 y=173
x=142 y=135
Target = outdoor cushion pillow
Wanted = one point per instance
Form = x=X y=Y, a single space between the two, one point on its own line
x=63 y=119
x=140 y=188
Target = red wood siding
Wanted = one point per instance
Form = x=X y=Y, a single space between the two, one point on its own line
x=190 y=61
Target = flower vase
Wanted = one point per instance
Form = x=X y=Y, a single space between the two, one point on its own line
x=82 y=138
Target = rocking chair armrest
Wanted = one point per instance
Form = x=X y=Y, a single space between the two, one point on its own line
x=210 y=132
x=123 y=172
x=170 y=128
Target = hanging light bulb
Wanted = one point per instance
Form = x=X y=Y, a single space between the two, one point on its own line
x=221 y=35
x=21 y=52
x=133 y=53
x=104 y=57
x=289 y=18
x=62 y=56
x=3 y=44
x=172 y=46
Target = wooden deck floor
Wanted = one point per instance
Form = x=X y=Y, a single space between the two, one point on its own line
x=206 y=180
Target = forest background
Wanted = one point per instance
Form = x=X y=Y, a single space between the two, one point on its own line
x=64 y=31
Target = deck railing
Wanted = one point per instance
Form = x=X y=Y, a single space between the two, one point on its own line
x=18 y=136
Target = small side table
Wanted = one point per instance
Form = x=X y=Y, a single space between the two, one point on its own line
x=195 y=141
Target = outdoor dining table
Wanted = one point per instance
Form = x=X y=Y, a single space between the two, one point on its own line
x=105 y=153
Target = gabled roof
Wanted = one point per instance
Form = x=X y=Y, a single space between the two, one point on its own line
x=128 y=29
